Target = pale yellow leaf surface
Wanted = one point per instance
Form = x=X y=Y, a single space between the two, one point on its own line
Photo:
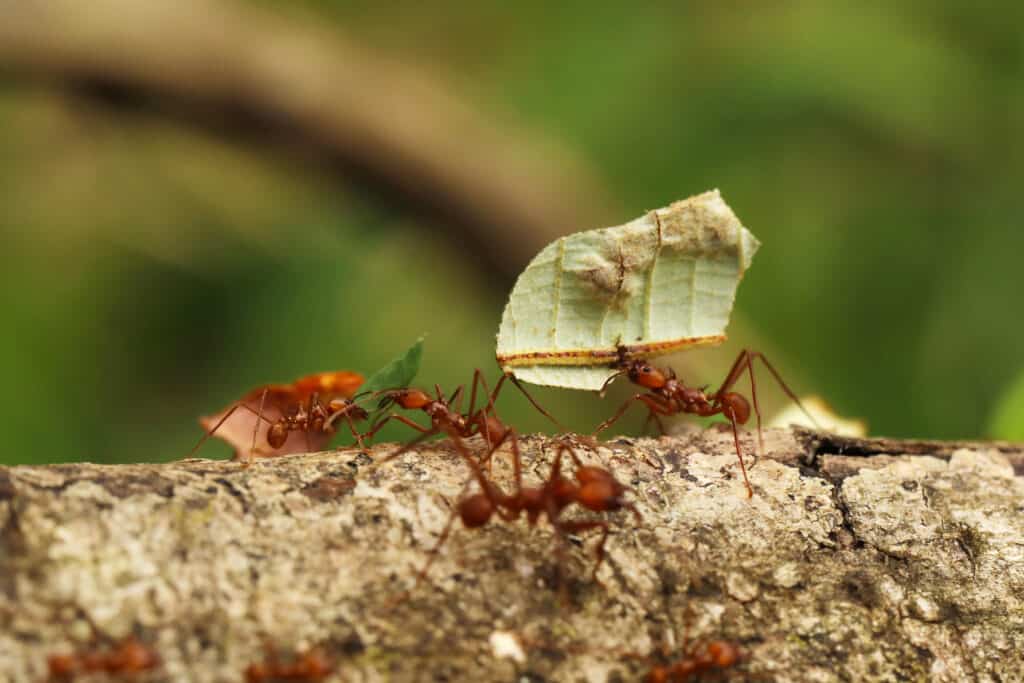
x=658 y=284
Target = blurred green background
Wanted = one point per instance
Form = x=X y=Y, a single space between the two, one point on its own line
x=156 y=269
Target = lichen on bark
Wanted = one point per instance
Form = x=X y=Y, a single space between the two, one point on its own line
x=868 y=561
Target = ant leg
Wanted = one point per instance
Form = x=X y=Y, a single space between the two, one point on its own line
x=478 y=378
x=394 y=416
x=746 y=361
x=533 y=402
x=651 y=415
x=574 y=527
x=564 y=446
x=492 y=449
x=608 y=382
x=221 y=421
x=456 y=398
x=256 y=427
x=743 y=466
x=412 y=444
x=433 y=553
x=650 y=401
x=355 y=432
x=208 y=434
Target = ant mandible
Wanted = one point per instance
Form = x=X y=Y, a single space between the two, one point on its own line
x=594 y=488
x=130 y=656
x=713 y=656
x=308 y=667
x=311 y=406
x=668 y=395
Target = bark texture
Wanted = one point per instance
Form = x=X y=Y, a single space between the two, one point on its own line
x=857 y=559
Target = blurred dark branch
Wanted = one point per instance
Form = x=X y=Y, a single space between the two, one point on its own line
x=240 y=71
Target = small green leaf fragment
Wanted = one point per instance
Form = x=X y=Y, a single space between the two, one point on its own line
x=397 y=373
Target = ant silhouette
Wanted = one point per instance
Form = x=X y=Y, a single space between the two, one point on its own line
x=593 y=488
x=668 y=395
x=307 y=667
x=446 y=417
x=129 y=656
x=311 y=406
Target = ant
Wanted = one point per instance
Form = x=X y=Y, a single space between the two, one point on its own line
x=594 y=488
x=129 y=656
x=308 y=667
x=446 y=417
x=668 y=395
x=713 y=656
x=311 y=405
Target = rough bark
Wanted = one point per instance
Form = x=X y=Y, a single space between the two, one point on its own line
x=867 y=560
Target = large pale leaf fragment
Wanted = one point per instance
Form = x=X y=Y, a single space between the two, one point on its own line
x=661 y=283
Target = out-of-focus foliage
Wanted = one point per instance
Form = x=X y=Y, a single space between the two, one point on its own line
x=1008 y=421
x=152 y=271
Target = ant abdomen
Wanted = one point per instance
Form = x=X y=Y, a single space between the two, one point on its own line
x=277 y=434
x=475 y=510
x=493 y=430
x=600 y=496
x=735 y=406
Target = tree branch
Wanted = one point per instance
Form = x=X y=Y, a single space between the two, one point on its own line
x=386 y=125
x=906 y=567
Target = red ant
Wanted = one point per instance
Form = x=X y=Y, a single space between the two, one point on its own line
x=130 y=656
x=445 y=416
x=711 y=657
x=668 y=395
x=311 y=405
x=308 y=667
x=594 y=488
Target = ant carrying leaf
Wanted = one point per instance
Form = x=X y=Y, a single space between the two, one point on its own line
x=667 y=395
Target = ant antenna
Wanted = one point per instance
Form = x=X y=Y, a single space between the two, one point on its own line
x=607 y=382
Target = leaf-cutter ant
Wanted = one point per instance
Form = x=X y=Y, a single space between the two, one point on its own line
x=667 y=395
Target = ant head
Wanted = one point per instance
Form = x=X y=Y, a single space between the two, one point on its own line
x=342 y=406
x=475 y=510
x=646 y=375
x=410 y=399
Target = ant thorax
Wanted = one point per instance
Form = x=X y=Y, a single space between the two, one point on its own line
x=442 y=415
x=689 y=395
